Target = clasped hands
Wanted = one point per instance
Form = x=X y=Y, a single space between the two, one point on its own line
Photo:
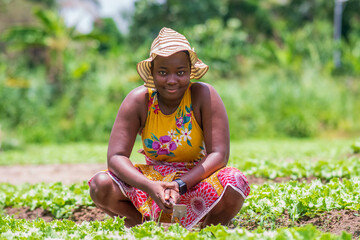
x=165 y=194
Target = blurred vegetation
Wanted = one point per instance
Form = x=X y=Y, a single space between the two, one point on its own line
x=271 y=61
x=272 y=151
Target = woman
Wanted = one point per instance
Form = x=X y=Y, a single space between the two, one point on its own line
x=185 y=133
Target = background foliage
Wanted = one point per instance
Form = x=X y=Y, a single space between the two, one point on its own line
x=271 y=61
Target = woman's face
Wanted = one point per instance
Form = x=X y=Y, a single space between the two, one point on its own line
x=172 y=75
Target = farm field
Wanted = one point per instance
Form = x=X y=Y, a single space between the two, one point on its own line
x=301 y=189
x=288 y=74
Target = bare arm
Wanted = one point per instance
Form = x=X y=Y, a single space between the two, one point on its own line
x=130 y=117
x=127 y=124
x=215 y=127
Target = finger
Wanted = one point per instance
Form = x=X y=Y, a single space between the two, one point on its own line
x=175 y=196
x=173 y=186
x=165 y=203
x=165 y=208
x=171 y=200
x=162 y=204
x=168 y=203
x=167 y=194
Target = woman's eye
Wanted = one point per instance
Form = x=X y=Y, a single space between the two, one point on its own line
x=163 y=73
x=181 y=73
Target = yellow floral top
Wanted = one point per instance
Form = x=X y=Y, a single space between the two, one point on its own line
x=176 y=137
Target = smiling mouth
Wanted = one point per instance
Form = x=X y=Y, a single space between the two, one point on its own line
x=171 y=89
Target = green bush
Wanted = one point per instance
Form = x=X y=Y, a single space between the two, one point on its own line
x=274 y=102
x=272 y=105
x=277 y=83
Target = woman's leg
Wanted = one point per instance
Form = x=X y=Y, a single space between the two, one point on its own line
x=107 y=196
x=226 y=209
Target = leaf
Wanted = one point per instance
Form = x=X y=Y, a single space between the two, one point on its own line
x=154 y=137
x=188 y=142
x=148 y=143
x=190 y=126
x=186 y=120
x=356 y=147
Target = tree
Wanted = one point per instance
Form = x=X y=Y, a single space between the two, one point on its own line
x=52 y=37
x=151 y=15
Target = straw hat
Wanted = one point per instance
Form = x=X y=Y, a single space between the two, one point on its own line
x=165 y=44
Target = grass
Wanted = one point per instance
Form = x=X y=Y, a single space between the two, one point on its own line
x=289 y=149
x=294 y=158
x=271 y=149
x=61 y=153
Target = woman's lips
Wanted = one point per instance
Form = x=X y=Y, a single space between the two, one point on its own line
x=171 y=90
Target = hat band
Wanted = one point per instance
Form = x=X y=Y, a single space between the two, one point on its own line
x=165 y=45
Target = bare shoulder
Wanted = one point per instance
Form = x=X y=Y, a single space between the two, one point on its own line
x=137 y=96
x=206 y=102
x=203 y=92
x=201 y=86
x=135 y=101
x=135 y=105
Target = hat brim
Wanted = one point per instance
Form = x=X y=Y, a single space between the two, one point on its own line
x=198 y=68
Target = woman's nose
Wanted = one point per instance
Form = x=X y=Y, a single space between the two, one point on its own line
x=172 y=79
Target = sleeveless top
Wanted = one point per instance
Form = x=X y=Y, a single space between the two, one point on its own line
x=176 y=137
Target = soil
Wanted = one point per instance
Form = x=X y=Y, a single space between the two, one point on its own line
x=334 y=221
x=78 y=215
x=65 y=173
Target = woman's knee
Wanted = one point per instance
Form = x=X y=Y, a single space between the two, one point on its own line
x=226 y=209
x=231 y=202
x=234 y=200
x=101 y=186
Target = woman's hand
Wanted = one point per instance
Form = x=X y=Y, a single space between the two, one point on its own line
x=160 y=192
x=172 y=196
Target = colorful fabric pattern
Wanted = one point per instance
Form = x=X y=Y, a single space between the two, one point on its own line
x=199 y=200
x=173 y=145
x=174 y=138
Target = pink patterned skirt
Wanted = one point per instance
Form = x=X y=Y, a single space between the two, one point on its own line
x=199 y=199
